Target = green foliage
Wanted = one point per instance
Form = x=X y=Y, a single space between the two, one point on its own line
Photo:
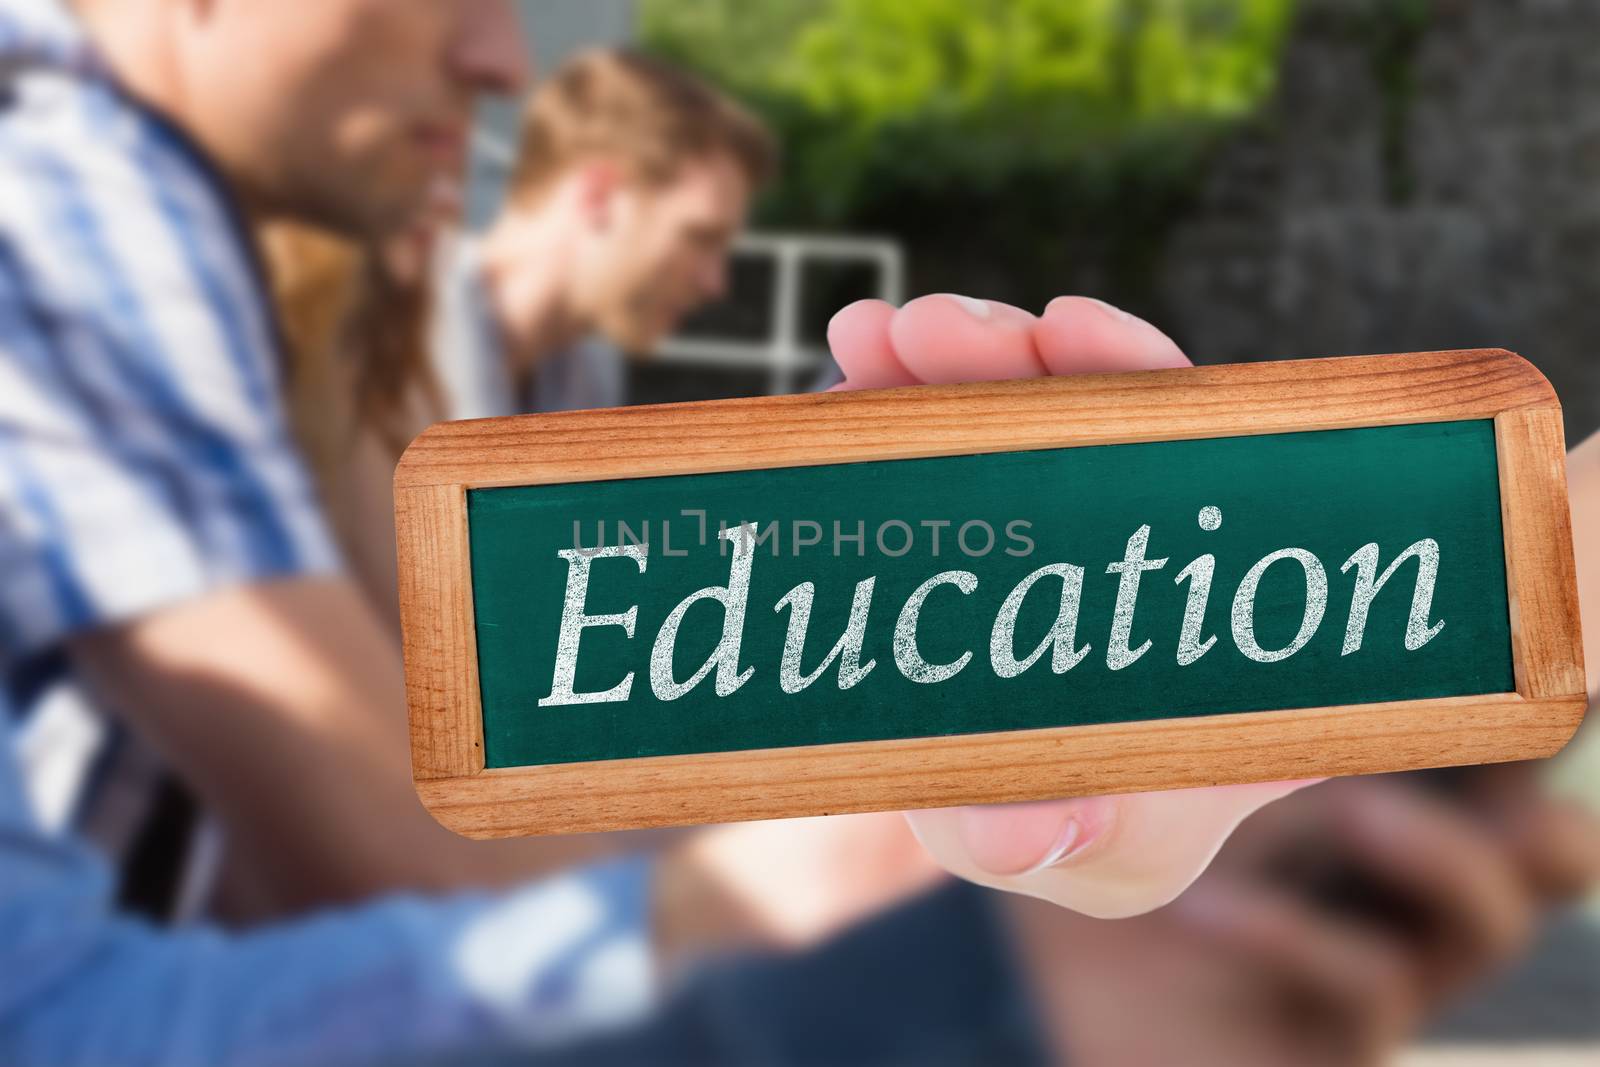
x=881 y=99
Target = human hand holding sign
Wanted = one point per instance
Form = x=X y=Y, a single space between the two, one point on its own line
x=1104 y=856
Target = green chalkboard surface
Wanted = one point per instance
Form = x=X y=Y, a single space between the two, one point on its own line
x=1285 y=515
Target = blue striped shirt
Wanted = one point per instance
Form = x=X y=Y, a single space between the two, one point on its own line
x=145 y=459
x=144 y=455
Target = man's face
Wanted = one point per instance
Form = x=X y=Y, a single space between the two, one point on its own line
x=662 y=251
x=346 y=112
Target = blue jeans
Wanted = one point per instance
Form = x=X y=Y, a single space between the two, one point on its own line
x=931 y=983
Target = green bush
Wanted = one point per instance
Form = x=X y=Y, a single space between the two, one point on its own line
x=946 y=101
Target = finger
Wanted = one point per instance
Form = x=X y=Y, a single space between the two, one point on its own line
x=1556 y=842
x=1422 y=848
x=858 y=337
x=1014 y=839
x=946 y=338
x=1347 y=971
x=1125 y=855
x=1081 y=335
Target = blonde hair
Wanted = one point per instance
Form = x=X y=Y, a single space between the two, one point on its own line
x=640 y=111
x=356 y=340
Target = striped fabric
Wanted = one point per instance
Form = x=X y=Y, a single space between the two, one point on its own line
x=145 y=459
x=144 y=456
x=473 y=367
x=395 y=980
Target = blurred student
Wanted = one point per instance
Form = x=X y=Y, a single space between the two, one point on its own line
x=350 y=988
x=206 y=495
x=361 y=381
x=159 y=528
x=141 y=464
x=632 y=178
x=162 y=538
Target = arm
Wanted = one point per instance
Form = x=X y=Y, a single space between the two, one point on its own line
x=406 y=976
x=291 y=723
x=294 y=729
x=403 y=977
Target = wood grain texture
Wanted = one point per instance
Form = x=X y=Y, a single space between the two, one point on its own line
x=997 y=767
x=439 y=641
x=1540 y=570
x=947 y=420
x=1238 y=400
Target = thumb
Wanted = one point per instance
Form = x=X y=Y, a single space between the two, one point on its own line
x=1107 y=857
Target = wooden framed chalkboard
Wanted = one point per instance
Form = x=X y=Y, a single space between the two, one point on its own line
x=944 y=595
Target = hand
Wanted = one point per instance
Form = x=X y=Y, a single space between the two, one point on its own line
x=1104 y=856
x=1330 y=929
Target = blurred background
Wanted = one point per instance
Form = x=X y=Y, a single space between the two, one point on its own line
x=1263 y=179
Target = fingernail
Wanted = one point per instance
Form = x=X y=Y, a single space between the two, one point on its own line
x=1116 y=312
x=978 y=309
x=1068 y=842
x=1160 y=350
x=1017 y=839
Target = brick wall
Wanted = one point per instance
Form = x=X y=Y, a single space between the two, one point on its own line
x=1460 y=210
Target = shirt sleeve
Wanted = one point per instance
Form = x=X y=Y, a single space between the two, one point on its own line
x=407 y=977
x=145 y=455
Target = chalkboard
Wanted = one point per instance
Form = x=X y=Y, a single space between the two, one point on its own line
x=1002 y=591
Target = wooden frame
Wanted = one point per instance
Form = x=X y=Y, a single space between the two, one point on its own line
x=1227 y=401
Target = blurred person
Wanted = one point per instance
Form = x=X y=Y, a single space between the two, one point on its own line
x=164 y=503
x=144 y=464
x=161 y=531
x=76 y=119
x=132 y=363
x=321 y=698
x=632 y=178
x=360 y=381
